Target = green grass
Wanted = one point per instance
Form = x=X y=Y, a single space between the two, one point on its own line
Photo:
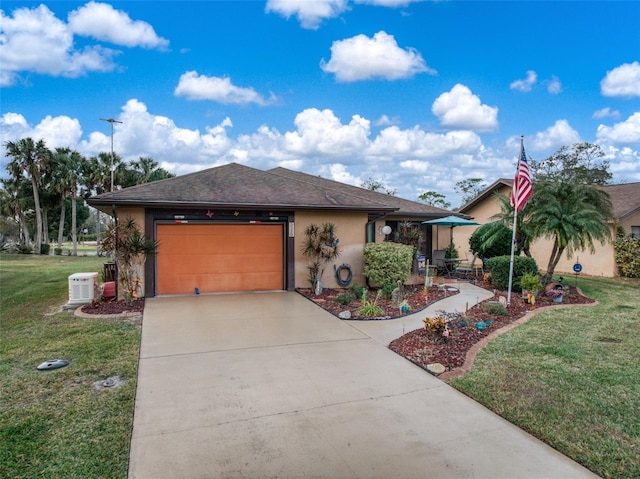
x=571 y=377
x=55 y=424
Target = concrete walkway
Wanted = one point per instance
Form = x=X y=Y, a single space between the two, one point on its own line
x=271 y=386
x=386 y=331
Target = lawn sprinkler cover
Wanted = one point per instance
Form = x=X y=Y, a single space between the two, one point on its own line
x=53 y=364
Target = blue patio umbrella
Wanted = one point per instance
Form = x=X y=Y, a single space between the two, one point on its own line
x=451 y=221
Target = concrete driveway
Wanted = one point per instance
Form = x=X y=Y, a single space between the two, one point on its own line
x=268 y=385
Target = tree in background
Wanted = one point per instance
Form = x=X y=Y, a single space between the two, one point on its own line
x=32 y=160
x=470 y=188
x=67 y=174
x=375 y=185
x=579 y=163
x=434 y=199
x=13 y=206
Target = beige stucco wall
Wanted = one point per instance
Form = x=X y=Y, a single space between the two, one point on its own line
x=137 y=214
x=599 y=263
x=350 y=230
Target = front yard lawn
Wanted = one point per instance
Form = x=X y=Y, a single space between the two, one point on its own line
x=571 y=377
x=56 y=423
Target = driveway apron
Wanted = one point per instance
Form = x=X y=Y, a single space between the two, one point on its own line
x=269 y=385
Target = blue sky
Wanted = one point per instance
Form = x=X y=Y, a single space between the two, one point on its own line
x=416 y=95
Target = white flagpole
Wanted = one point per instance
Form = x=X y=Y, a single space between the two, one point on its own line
x=515 y=220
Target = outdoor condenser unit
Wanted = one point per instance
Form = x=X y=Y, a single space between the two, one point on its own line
x=83 y=287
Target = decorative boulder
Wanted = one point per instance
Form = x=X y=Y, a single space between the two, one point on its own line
x=345 y=315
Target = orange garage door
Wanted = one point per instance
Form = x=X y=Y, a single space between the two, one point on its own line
x=219 y=258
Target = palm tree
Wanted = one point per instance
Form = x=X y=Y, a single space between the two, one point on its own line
x=524 y=231
x=12 y=205
x=573 y=215
x=31 y=159
x=67 y=174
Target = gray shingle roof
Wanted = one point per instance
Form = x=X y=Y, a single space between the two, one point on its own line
x=404 y=207
x=235 y=185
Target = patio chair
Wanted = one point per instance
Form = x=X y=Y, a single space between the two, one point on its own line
x=438 y=261
x=468 y=270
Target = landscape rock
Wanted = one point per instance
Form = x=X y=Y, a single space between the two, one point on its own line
x=436 y=368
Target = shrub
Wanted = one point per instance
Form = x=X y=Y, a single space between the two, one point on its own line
x=491 y=239
x=357 y=289
x=345 y=298
x=495 y=308
x=628 y=256
x=499 y=267
x=45 y=248
x=387 y=263
x=370 y=309
x=25 y=249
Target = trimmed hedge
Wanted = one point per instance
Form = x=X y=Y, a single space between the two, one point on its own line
x=499 y=268
x=387 y=263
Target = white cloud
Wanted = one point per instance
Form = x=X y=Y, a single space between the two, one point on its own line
x=310 y=13
x=554 y=86
x=339 y=172
x=606 y=113
x=384 y=120
x=102 y=22
x=559 y=134
x=322 y=133
x=415 y=143
x=35 y=40
x=460 y=108
x=411 y=160
x=218 y=89
x=363 y=58
x=622 y=81
x=626 y=132
x=62 y=131
x=526 y=84
x=58 y=131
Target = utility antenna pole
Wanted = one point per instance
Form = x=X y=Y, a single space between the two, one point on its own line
x=112 y=121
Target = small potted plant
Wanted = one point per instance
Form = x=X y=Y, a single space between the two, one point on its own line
x=556 y=294
x=530 y=283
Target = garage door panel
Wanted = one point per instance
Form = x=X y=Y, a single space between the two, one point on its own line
x=219 y=258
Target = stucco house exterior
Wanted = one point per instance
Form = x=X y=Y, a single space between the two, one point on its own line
x=237 y=228
x=626 y=208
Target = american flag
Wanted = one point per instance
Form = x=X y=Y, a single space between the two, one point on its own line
x=522 y=188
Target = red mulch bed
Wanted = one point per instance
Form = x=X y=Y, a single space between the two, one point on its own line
x=114 y=307
x=414 y=295
x=420 y=346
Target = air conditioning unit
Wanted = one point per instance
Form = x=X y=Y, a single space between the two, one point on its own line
x=83 y=288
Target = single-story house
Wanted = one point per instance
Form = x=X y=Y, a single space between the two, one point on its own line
x=626 y=208
x=237 y=228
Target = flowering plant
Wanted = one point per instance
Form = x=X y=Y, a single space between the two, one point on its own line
x=555 y=293
x=437 y=326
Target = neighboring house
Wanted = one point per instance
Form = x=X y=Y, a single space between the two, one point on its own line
x=626 y=208
x=236 y=228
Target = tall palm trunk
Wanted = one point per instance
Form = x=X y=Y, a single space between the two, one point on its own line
x=61 y=226
x=38 y=225
x=74 y=234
